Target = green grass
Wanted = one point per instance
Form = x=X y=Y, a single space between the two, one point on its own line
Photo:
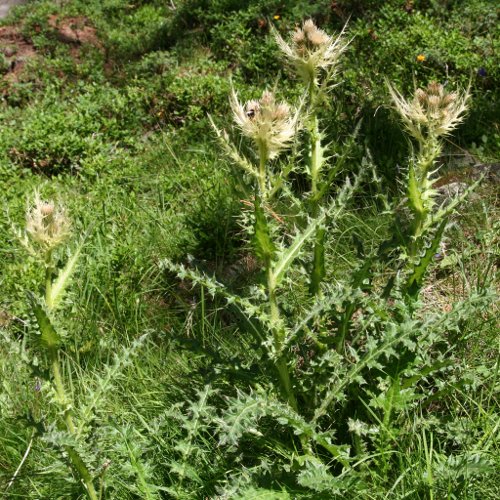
x=193 y=409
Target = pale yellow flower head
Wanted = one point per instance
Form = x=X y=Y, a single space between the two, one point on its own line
x=271 y=125
x=311 y=49
x=432 y=110
x=46 y=224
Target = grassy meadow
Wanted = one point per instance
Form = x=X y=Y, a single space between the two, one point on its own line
x=249 y=249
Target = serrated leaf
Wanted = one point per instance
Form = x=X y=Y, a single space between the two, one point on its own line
x=49 y=338
x=315 y=475
x=62 y=281
x=253 y=493
x=184 y=470
x=415 y=199
x=289 y=255
x=264 y=246
x=318 y=272
x=418 y=271
x=445 y=211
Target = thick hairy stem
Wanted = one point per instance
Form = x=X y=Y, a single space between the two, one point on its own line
x=278 y=337
x=83 y=472
x=48 y=278
x=78 y=465
x=262 y=171
x=318 y=269
x=430 y=149
x=277 y=324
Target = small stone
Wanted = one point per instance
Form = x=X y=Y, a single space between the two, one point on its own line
x=9 y=51
x=452 y=190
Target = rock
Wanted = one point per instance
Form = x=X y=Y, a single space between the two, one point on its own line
x=452 y=190
x=9 y=51
x=491 y=171
x=6 y=5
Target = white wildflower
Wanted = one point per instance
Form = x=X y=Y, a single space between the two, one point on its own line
x=46 y=224
x=271 y=125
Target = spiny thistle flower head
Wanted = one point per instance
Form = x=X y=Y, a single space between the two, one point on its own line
x=432 y=109
x=271 y=125
x=311 y=49
x=46 y=224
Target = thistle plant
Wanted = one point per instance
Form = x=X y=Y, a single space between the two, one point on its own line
x=47 y=229
x=314 y=55
x=430 y=115
x=271 y=126
x=356 y=348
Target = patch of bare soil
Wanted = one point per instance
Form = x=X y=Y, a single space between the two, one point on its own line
x=74 y=30
x=16 y=50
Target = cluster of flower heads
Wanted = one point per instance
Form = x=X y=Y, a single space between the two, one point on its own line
x=432 y=110
x=46 y=224
x=270 y=124
x=311 y=49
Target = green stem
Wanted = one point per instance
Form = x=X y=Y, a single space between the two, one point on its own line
x=262 y=170
x=48 y=279
x=315 y=163
x=278 y=337
x=345 y=322
x=429 y=150
x=61 y=393
x=76 y=461
x=78 y=464
x=276 y=321
x=318 y=269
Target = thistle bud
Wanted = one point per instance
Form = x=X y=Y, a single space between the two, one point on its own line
x=432 y=110
x=46 y=224
x=435 y=88
x=421 y=96
x=311 y=49
x=434 y=102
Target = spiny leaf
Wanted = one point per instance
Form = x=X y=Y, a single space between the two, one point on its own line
x=264 y=246
x=241 y=417
x=245 y=306
x=289 y=255
x=332 y=212
x=232 y=152
x=315 y=475
x=318 y=271
x=445 y=212
x=395 y=334
x=255 y=493
x=418 y=271
x=49 y=338
x=415 y=198
x=317 y=153
x=62 y=281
